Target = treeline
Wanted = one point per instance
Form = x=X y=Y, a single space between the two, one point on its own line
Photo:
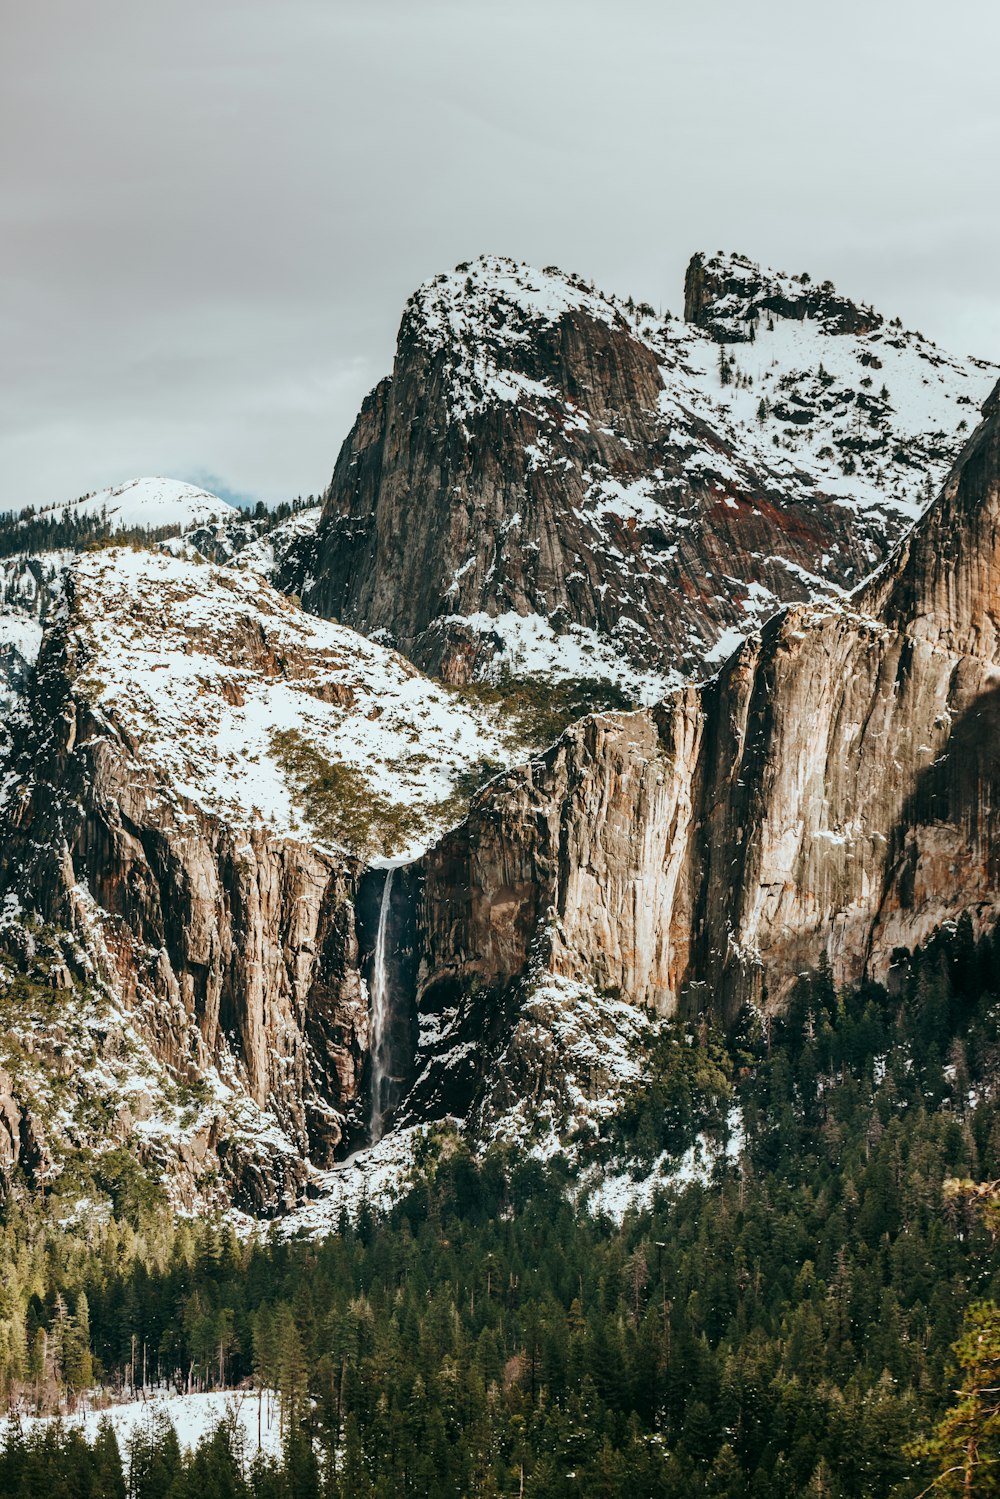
x=786 y=1329
x=32 y=531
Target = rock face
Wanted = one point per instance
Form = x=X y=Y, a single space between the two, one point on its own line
x=727 y=295
x=553 y=480
x=233 y=948
x=203 y=784
x=835 y=789
x=198 y=776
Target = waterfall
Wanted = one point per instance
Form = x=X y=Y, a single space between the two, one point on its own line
x=381 y=1017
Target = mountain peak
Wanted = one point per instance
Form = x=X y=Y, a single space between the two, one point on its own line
x=500 y=300
x=149 y=503
x=726 y=295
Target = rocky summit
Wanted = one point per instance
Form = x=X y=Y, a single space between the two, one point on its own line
x=553 y=479
x=630 y=667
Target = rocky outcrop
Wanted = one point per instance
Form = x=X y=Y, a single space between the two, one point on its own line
x=556 y=480
x=727 y=295
x=232 y=948
x=834 y=790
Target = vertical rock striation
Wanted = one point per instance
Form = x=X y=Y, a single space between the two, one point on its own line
x=234 y=948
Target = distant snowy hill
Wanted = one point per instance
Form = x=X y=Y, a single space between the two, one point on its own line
x=151 y=504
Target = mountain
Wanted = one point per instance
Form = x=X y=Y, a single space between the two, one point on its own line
x=829 y=796
x=557 y=481
x=199 y=775
x=37 y=547
x=308 y=828
x=148 y=503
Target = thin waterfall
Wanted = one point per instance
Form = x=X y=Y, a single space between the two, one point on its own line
x=381 y=1017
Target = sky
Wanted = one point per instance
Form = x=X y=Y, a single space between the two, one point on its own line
x=213 y=211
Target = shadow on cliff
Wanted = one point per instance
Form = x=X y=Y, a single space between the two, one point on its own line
x=952 y=816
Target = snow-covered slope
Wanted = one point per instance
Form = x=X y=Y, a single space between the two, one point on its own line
x=255 y=711
x=267 y=554
x=822 y=389
x=254 y=1415
x=870 y=417
x=147 y=503
x=827 y=426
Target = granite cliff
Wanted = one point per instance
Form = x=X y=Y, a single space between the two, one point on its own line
x=205 y=779
x=832 y=792
x=554 y=479
x=199 y=776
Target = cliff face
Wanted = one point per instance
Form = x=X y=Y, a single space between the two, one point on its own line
x=201 y=784
x=554 y=480
x=232 y=949
x=833 y=790
x=198 y=778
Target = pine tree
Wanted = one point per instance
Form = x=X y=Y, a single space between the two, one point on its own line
x=965 y=1444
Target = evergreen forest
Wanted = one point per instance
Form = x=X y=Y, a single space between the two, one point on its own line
x=819 y=1320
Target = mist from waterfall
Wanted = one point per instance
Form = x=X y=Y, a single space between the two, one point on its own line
x=381 y=1017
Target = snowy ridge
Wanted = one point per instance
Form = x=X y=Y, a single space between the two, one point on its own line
x=820 y=403
x=500 y=298
x=530 y=647
x=872 y=418
x=148 y=503
x=206 y=668
x=484 y=315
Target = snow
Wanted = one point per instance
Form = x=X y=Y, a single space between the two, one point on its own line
x=149 y=503
x=500 y=296
x=730 y=640
x=111 y=1088
x=203 y=666
x=266 y=555
x=377 y=1175
x=929 y=395
x=577 y=1051
x=615 y=1192
x=800 y=420
x=485 y=315
x=21 y=635
x=530 y=647
x=192 y=1416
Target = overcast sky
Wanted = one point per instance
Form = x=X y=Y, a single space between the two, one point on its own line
x=212 y=211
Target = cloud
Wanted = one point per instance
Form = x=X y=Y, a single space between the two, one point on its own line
x=210 y=216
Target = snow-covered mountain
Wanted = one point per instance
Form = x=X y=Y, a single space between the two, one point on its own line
x=198 y=778
x=218 y=737
x=558 y=481
x=258 y=713
x=148 y=504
